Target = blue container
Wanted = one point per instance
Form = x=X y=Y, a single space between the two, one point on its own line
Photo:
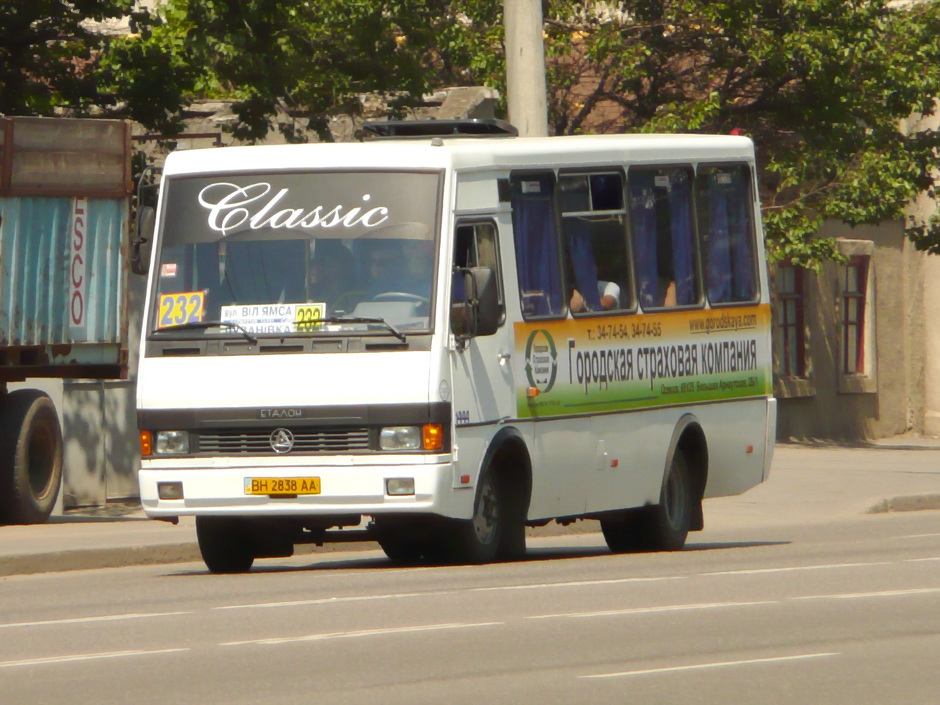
x=62 y=283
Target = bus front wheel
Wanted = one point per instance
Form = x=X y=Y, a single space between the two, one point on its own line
x=225 y=544
x=663 y=527
x=408 y=540
x=491 y=534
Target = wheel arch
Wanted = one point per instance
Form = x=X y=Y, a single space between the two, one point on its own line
x=507 y=456
x=689 y=438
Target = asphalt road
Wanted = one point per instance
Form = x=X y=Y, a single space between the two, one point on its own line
x=836 y=612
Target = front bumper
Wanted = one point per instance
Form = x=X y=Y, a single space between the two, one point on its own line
x=347 y=486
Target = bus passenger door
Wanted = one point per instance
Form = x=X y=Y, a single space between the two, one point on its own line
x=481 y=365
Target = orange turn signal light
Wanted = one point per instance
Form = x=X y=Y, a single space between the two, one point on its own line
x=146 y=443
x=432 y=436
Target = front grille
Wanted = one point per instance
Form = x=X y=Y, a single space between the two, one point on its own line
x=307 y=441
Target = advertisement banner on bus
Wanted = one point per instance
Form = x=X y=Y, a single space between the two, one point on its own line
x=600 y=364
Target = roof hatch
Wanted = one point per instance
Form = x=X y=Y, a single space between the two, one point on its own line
x=418 y=129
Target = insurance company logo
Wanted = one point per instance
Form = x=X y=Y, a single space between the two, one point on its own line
x=282 y=441
x=541 y=361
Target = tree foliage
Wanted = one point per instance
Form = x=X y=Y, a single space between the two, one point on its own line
x=304 y=59
x=48 y=54
x=826 y=88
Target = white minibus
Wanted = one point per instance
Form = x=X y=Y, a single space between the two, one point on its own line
x=446 y=333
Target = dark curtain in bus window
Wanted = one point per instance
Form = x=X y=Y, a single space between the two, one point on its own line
x=663 y=240
x=643 y=222
x=536 y=238
x=683 y=243
x=730 y=249
x=581 y=252
x=265 y=271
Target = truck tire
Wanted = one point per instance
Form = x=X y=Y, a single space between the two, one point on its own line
x=30 y=457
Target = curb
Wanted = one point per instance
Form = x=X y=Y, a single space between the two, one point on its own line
x=95 y=558
x=915 y=503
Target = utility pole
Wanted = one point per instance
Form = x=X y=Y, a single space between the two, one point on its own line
x=525 y=67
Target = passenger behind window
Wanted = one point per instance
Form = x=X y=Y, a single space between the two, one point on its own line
x=333 y=277
x=608 y=292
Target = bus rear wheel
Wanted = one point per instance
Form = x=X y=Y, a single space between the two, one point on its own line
x=225 y=544
x=663 y=527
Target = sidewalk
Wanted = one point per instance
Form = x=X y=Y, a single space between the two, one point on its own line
x=808 y=484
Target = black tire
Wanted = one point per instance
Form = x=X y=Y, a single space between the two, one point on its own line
x=408 y=541
x=398 y=551
x=495 y=532
x=30 y=457
x=225 y=544
x=663 y=527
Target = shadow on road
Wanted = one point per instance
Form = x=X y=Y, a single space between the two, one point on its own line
x=533 y=554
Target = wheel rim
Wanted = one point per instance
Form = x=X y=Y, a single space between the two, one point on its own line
x=486 y=516
x=676 y=499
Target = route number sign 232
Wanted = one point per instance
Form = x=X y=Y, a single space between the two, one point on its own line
x=184 y=307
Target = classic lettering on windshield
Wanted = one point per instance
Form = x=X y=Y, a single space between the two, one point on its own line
x=233 y=207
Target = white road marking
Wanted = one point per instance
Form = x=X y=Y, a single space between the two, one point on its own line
x=548 y=586
x=862 y=595
x=653 y=610
x=579 y=583
x=716 y=664
x=363 y=633
x=790 y=569
x=918 y=536
x=333 y=600
x=922 y=560
x=85 y=657
x=497 y=588
x=82 y=620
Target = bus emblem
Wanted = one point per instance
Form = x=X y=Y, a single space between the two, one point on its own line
x=282 y=441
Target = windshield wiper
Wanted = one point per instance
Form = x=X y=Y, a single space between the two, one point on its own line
x=201 y=325
x=352 y=319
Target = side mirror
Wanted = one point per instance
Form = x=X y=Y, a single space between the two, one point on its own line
x=148 y=184
x=143 y=240
x=475 y=309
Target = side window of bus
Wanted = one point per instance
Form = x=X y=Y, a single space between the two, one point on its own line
x=475 y=246
x=663 y=233
x=595 y=242
x=535 y=233
x=726 y=222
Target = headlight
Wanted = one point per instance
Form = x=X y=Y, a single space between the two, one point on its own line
x=400 y=438
x=172 y=443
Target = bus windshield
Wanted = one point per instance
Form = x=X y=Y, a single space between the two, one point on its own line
x=297 y=253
